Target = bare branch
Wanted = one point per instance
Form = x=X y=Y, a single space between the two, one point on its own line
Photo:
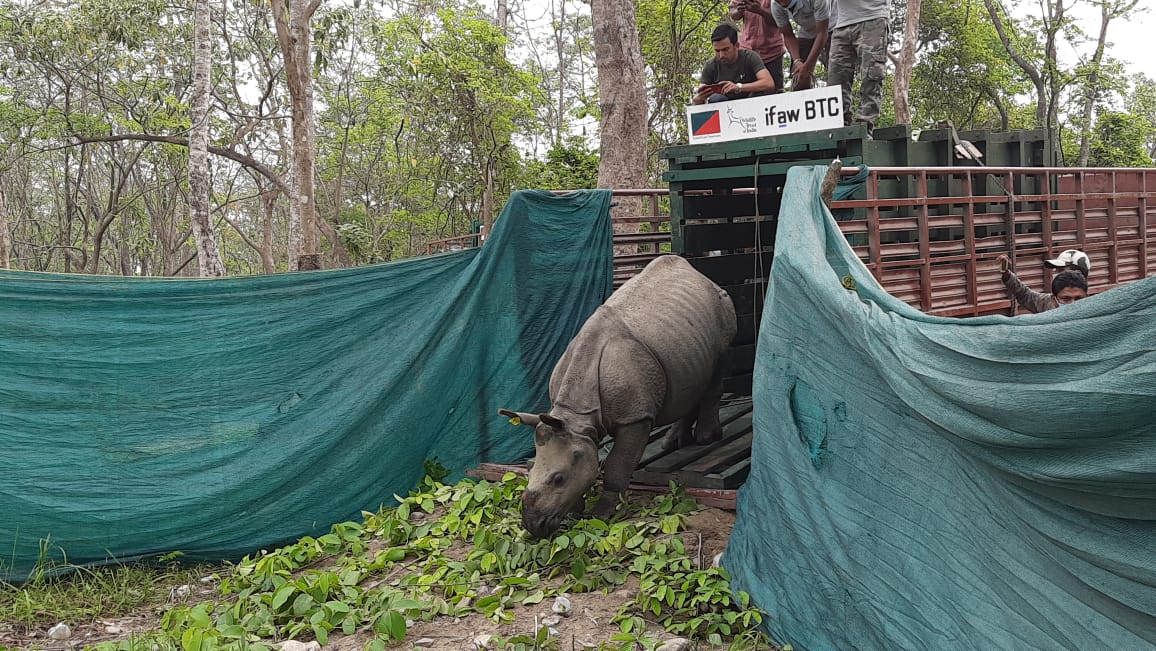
x=310 y=9
x=253 y=245
x=248 y=161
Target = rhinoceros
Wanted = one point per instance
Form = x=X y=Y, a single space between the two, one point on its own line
x=651 y=355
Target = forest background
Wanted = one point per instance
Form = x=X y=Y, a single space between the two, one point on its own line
x=235 y=137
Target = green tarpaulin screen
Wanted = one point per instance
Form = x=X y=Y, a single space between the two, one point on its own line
x=214 y=417
x=920 y=482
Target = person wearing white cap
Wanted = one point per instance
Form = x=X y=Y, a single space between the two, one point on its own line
x=1071 y=260
x=1068 y=286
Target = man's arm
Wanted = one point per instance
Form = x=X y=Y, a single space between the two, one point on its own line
x=791 y=42
x=763 y=83
x=821 y=37
x=756 y=7
x=707 y=76
x=824 y=15
x=804 y=72
x=1031 y=301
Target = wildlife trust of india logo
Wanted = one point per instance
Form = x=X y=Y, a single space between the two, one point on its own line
x=705 y=123
x=709 y=123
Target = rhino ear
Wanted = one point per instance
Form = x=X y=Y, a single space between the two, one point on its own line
x=530 y=420
x=552 y=421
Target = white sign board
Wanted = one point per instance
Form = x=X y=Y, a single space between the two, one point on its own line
x=768 y=115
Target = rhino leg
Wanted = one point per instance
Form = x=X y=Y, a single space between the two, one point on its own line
x=707 y=428
x=680 y=434
x=629 y=444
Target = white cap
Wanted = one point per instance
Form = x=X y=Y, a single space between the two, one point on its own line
x=1071 y=259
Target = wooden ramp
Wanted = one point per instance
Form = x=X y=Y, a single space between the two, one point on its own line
x=709 y=473
x=723 y=464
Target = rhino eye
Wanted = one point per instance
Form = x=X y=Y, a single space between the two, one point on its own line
x=557 y=479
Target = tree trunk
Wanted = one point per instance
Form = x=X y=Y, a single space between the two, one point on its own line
x=339 y=182
x=1052 y=25
x=98 y=243
x=294 y=34
x=69 y=211
x=208 y=252
x=559 y=20
x=622 y=99
x=268 y=211
x=906 y=63
x=488 y=208
x=504 y=17
x=5 y=240
x=1091 y=89
x=999 y=106
x=1108 y=11
x=1030 y=70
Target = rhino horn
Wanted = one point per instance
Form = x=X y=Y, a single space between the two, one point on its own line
x=530 y=420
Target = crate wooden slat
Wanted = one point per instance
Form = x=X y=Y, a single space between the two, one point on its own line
x=732 y=409
x=721 y=465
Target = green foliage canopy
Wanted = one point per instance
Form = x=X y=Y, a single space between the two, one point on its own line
x=1120 y=140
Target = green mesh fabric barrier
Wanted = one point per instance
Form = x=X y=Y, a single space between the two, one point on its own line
x=921 y=482
x=215 y=417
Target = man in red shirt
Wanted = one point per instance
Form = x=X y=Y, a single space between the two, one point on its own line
x=761 y=34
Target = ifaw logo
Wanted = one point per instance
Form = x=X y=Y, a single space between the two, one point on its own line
x=812 y=109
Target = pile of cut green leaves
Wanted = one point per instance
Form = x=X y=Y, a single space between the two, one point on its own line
x=430 y=557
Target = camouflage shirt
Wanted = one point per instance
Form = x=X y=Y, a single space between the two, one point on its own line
x=1031 y=301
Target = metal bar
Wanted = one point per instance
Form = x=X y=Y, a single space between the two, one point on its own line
x=656 y=225
x=640 y=219
x=634 y=258
x=951 y=200
x=959 y=171
x=1142 y=213
x=1086 y=196
x=1079 y=211
x=918 y=201
x=641 y=238
x=924 y=235
x=873 y=226
x=625 y=192
x=678 y=210
x=1046 y=210
x=1113 y=234
x=1009 y=220
x=969 y=242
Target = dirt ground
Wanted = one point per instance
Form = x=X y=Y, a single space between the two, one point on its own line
x=589 y=623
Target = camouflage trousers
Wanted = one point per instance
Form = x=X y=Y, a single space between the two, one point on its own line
x=860 y=48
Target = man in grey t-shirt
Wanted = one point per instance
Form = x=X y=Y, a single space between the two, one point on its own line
x=807 y=40
x=859 y=45
x=733 y=73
